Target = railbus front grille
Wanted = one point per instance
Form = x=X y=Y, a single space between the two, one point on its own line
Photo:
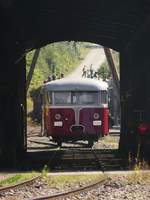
x=77 y=128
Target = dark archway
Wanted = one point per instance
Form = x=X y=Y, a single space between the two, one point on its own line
x=123 y=26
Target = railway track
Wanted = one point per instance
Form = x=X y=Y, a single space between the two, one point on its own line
x=6 y=192
x=15 y=187
x=73 y=193
x=74 y=159
x=73 y=156
x=97 y=160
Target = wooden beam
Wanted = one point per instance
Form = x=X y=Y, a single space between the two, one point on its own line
x=113 y=69
x=32 y=67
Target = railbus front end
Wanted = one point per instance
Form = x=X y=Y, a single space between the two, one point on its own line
x=75 y=110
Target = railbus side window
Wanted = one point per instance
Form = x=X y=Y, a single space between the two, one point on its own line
x=104 y=97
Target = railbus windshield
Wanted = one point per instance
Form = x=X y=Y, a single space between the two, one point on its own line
x=77 y=98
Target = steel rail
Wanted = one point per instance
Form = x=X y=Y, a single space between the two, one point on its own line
x=60 y=196
x=39 y=142
x=18 y=185
x=97 y=160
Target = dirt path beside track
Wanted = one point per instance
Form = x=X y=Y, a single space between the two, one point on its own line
x=95 y=57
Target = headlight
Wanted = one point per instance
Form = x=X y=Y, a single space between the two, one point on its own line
x=57 y=116
x=143 y=128
x=96 y=116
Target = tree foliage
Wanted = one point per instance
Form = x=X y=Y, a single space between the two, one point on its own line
x=61 y=57
x=104 y=71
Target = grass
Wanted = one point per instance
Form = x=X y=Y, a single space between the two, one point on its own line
x=111 y=141
x=138 y=177
x=140 y=165
x=69 y=180
x=132 y=178
x=17 y=179
x=137 y=162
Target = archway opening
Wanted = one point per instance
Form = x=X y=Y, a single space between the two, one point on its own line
x=72 y=59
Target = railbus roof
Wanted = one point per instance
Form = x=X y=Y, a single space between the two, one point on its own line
x=82 y=84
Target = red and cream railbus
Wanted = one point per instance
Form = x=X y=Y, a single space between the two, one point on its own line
x=75 y=110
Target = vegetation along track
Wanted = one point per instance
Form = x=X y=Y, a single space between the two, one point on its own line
x=15 y=187
x=72 y=193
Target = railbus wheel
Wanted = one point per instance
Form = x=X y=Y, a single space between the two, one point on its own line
x=90 y=143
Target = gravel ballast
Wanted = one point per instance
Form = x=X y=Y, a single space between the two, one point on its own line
x=119 y=187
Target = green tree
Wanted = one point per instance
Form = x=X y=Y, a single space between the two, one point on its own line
x=104 y=71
